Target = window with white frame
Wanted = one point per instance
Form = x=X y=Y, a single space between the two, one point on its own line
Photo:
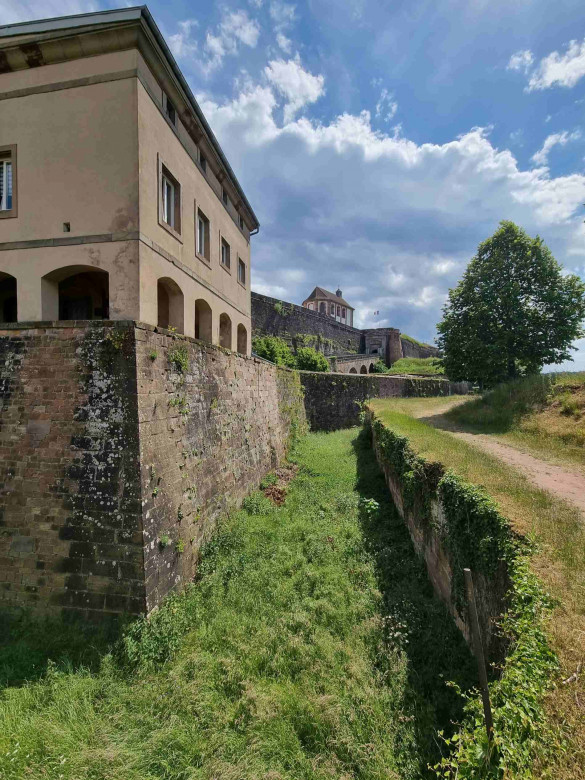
x=202 y=235
x=6 y=192
x=332 y=310
x=225 y=253
x=241 y=272
x=170 y=200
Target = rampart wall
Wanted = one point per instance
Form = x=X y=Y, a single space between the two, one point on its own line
x=119 y=448
x=334 y=401
x=271 y=317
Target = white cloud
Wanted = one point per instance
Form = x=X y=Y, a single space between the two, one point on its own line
x=284 y=43
x=521 y=60
x=236 y=29
x=13 y=11
x=181 y=43
x=391 y=221
x=559 y=69
x=297 y=85
x=282 y=14
x=386 y=107
x=555 y=139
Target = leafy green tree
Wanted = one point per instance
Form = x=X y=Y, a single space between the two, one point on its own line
x=308 y=359
x=513 y=312
x=274 y=349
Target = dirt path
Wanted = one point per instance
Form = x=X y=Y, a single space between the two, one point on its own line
x=563 y=482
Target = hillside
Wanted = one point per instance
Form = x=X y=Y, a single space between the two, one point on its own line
x=543 y=414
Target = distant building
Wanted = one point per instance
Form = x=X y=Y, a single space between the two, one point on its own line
x=331 y=304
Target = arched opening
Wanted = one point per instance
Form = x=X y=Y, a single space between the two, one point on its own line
x=363 y=370
x=7 y=298
x=76 y=292
x=170 y=302
x=371 y=369
x=353 y=371
x=225 y=331
x=203 y=321
x=242 y=340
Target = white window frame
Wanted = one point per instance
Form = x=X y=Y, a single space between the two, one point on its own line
x=241 y=271
x=225 y=254
x=203 y=235
x=6 y=177
x=168 y=188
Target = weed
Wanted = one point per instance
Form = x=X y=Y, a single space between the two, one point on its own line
x=180 y=546
x=256 y=504
x=179 y=358
x=269 y=479
x=116 y=339
x=153 y=355
x=164 y=541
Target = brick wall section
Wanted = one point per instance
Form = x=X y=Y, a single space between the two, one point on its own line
x=70 y=518
x=333 y=401
x=336 y=339
x=208 y=435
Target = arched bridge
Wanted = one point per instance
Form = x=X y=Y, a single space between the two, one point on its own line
x=353 y=364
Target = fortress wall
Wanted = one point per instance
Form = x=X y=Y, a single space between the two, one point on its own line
x=288 y=320
x=417 y=350
x=209 y=432
x=334 y=401
x=115 y=462
x=70 y=514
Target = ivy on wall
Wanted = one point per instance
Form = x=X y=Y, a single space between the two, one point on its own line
x=475 y=534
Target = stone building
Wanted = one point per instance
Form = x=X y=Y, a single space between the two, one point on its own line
x=333 y=305
x=116 y=200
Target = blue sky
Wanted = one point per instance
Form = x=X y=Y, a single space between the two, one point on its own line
x=379 y=142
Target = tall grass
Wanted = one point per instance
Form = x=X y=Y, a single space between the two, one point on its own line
x=311 y=647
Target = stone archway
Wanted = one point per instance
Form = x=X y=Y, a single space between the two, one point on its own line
x=76 y=292
x=242 y=340
x=8 y=306
x=225 y=331
x=170 y=305
x=203 y=321
x=353 y=370
x=363 y=370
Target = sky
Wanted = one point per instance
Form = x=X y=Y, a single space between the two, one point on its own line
x=380 y=141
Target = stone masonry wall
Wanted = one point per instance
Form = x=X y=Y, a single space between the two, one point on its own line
x=70 y=515
x=334 y=401
x=119 y=448
x=212 y=424
x=417 y=350
x=289 y=321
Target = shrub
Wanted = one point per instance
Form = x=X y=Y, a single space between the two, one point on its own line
x=380 y=367
x=274 y=349
x=308 y=359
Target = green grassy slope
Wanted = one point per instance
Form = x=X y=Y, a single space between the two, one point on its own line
x=311 y=647
x=544 y=414
x=422 y=366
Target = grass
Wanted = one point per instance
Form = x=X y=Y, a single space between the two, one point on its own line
x=542 y=414
x=414 y=341
x=559 y=533
x=422 y=366
x=311 y=646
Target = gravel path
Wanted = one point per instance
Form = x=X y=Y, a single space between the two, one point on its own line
x=564 y=482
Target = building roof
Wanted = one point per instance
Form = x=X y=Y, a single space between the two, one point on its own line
x=319 y=294
x=43 y=27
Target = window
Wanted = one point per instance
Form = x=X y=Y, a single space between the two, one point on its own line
x=203 y=162
x=339 y=311
x=169 y=109
x=202 y=235
x=170 y=201
x=343 y=313
x=225 y=253
x=241 y=272
x=332 y=310
x=224 y=196
x=310 y=306
x=241 y=221
x=7 y=181
x=168 y=195
x=322 y=308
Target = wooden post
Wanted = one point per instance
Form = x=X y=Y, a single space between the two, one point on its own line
x=478 y=652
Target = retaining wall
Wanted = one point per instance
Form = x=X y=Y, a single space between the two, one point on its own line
x=334 y=401
x=115 y=462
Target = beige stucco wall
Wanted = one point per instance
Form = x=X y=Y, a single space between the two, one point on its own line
x=210 y=281
x=87 y=154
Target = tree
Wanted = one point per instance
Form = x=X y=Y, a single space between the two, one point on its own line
x=513 y=312
x=274 y=349
x=308 y=359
